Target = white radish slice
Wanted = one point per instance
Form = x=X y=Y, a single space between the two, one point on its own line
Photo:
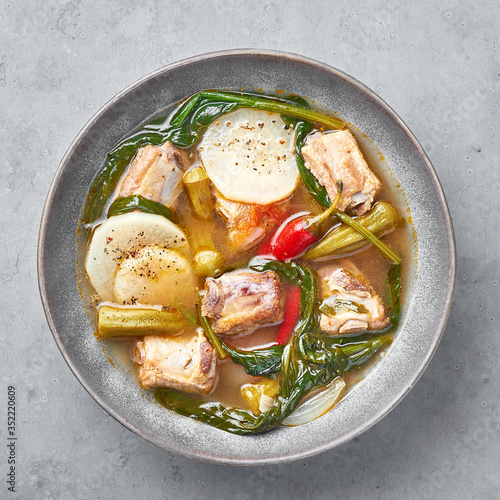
x=248 y=155
x=121 y=234
x=317 y=406
x=154 y=275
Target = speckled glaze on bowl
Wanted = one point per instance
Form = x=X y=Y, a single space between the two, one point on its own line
x=427 y=301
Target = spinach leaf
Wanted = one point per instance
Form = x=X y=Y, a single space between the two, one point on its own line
x=137 y=202
x=360 y=350
x=318 y=192
x=394 y=280
x=228 y=419
x=267 y=362
x=264 y=362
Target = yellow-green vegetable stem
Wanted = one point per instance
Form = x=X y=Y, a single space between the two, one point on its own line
x=115 y=322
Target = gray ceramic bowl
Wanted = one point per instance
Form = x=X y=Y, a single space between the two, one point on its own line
x=428 y=292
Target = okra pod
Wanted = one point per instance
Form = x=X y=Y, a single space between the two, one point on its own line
x=197 y=186
x=381 y=219
x=207 y=261
x=135 y=322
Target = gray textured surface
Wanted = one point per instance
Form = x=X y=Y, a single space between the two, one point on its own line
x=438 y=68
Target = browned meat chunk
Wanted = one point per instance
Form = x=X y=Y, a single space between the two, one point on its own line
x=243 y=300
x=350 y=304
x=335 y=156
x=248 y=223
x=155 y=173
x=186 y=362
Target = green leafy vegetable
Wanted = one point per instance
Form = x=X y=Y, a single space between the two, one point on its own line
x=283 y=106
x=209 y=111
x=299 y=101
x=103 y=187
x=318 y=348
x=317 y=191
x=360 y=349
x=228 y=419
x=127 y=148
x=182 y=112
x=267 y=362
x=264 y=362
x=394 y=279
x=137 y=202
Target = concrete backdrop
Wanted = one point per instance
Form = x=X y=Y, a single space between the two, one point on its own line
x=435 y=63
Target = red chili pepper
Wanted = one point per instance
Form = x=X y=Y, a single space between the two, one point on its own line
x=291 y=316
x=295 y=236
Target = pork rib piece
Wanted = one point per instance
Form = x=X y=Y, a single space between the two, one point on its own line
x=185 y=362
x=243 y=300
x=335 y=156
x=155 y=173
x=351 y=305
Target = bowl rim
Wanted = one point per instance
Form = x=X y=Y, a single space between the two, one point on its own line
x=382 y=106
